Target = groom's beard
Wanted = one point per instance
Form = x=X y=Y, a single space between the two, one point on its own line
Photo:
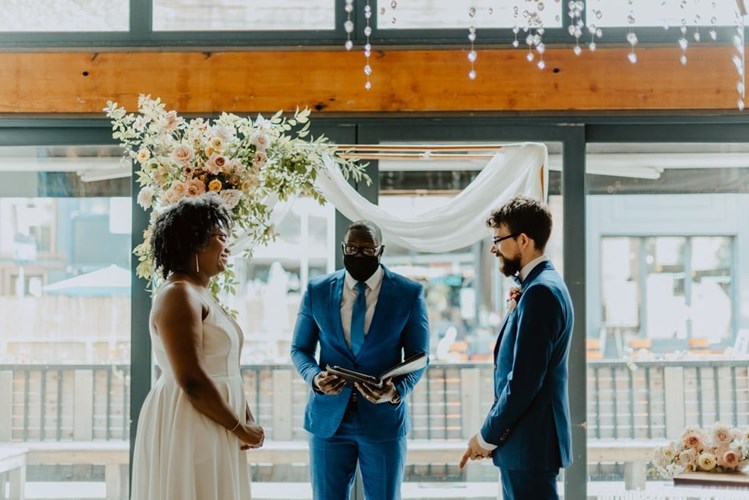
x=509 y=266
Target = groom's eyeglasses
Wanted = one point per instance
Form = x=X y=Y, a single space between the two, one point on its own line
x=366 y=251
x=499 y=239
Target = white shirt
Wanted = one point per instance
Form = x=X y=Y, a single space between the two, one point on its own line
x=524 y=272
x=374 y=283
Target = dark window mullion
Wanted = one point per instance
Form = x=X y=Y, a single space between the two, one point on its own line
x=141 y=20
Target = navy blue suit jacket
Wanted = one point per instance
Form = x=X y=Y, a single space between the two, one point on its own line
x=399 y=329
x=530 y=418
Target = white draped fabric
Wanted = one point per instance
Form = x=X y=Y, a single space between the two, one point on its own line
x=515 y=169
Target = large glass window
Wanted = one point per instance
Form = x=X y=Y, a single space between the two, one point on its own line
x=243 y=15
x=668 y=291
x=65 y=301
x=65 y=15
x=615 y=13
x=440 y=14
x=666 y=295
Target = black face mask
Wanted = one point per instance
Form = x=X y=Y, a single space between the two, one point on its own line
x=361 y=267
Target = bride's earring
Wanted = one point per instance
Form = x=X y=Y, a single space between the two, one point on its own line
x=197 y=264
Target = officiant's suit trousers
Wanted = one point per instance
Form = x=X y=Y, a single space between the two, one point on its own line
x=373 y=434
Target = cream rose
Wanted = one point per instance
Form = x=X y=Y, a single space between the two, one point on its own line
x=195 y=187
x=183 y=155
x=707 y=461
x=215 y=164
x=143 y=155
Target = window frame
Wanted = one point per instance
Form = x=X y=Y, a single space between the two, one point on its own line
x=142 y=35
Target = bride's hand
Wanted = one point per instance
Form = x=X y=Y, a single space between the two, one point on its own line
x=251 y=435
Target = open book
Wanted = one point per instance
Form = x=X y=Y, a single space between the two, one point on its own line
x=415 y=362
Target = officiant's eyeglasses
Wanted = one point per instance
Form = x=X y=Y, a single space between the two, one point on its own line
x=497 y=240
x=366 y=251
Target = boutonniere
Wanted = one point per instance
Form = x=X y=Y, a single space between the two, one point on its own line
x=512 y=298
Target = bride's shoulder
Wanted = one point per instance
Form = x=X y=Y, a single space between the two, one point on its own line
x=177 y=292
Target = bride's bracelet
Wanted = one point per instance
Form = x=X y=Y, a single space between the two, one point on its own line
x=235 y=427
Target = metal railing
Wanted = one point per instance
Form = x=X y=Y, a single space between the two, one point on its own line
x=646 y=400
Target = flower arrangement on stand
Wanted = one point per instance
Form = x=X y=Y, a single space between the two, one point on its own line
x=718 y=449
x=249 y=163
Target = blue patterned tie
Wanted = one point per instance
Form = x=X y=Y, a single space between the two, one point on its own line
x=357 y=317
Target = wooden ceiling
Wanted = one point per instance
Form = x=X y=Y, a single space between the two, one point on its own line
x=332 y=81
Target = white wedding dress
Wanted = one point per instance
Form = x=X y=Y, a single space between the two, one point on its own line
x=180 y=453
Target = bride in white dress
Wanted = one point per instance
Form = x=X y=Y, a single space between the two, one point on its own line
x=195 y=423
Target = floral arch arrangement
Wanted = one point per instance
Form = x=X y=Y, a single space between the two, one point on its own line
x=249 y=163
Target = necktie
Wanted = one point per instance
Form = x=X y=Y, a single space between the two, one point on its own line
x=516 y=279
x=357 y=317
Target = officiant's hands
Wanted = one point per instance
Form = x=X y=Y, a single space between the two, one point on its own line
x=329 y=384
x=385 y=394
x=474 y=452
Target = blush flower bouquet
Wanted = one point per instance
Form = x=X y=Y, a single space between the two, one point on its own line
x=513 y=296
x=719 y=449
x=249 y=163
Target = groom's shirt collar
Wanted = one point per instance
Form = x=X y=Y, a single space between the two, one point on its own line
x=526 y=270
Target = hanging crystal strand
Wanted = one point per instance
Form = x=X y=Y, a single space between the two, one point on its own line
x=739 y=59
x=683 y=42
x=540 y=46
x=515 y=26
x=713 y=22
x=528 y=30
x=472 y=53
x=367 y=45
x=534 y=28
x=576 y=26
x=631 y=36
x=348 y=24
x=393 y=5
x=472 y=38
x=593 y=29
x=697 y=21
x=665 y=9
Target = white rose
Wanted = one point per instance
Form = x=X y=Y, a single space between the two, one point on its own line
x=221 y=132
x=145 y=197
x=260 y=140
x=230 y=197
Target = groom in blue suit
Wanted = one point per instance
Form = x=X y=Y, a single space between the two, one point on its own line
x=527 y=430
x=364 y=318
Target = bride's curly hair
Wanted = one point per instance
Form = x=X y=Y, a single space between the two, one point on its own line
x=183 y=229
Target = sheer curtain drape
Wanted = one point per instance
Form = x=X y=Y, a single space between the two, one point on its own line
x=515 y=169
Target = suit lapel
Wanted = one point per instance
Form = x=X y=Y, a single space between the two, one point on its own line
x=336 y=292
x=528 y=280
x=499 y=336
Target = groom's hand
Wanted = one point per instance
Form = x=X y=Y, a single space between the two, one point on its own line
x=474 y=452
x=329 y=384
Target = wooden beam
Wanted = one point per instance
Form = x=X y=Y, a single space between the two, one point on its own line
x=402 y=81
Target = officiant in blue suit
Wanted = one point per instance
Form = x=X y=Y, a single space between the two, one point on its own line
x=364 y=318
x=527 y=430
